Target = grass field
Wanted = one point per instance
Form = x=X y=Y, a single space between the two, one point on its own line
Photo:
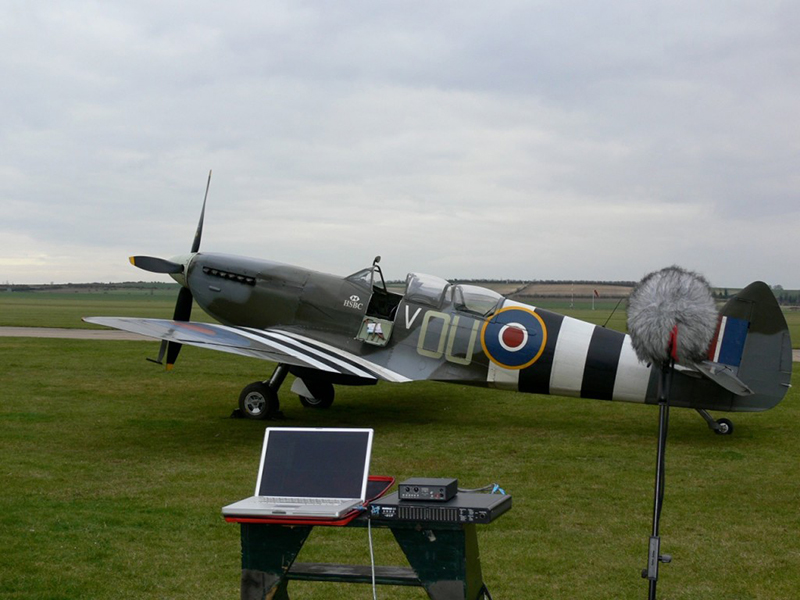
x=114 y=473
x=44 y=309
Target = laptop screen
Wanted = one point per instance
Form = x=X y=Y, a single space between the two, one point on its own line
x=314 y=463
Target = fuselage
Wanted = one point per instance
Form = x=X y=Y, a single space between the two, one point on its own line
x=435 y=330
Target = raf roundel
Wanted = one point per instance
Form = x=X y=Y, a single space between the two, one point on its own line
x=514 y=337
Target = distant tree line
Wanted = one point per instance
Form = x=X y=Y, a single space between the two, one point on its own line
x=89 y=287
x=545 y=282
x=784 y=297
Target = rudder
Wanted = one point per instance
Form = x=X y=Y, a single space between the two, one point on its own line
x=754 y=338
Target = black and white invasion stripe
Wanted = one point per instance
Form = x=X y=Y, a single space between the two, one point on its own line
x=579 y=359
x=323 y=356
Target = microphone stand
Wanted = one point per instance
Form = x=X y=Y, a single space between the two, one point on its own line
x=654 y=555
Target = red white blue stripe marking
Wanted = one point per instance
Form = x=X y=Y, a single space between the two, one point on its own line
x=728 y=347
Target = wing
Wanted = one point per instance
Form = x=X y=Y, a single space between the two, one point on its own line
x=267 y=344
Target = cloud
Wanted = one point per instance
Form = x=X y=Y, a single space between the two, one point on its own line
x=523 y=140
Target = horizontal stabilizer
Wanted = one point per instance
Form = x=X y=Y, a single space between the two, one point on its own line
x=725 y=376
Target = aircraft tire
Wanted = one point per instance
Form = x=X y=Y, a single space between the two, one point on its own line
x=725 y=427
x=315 y=403
x=323 y=395
x=257 y=401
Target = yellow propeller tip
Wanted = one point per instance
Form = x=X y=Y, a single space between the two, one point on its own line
x=169 y=367
x=132 y=260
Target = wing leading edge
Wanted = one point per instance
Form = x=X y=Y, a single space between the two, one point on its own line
x=271 y=344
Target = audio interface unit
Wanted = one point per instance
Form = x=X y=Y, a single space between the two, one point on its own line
x=428 y=489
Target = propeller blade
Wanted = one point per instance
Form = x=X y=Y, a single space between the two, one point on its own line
x=183 y=311
x=183 y=307
x=173 y=348
x=156 y=265
x=199 y=233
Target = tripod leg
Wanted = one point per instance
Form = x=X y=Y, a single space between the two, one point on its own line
x=654 y=556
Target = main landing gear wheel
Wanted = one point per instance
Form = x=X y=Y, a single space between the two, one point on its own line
x=323 y=394
x=725 y=427
x=258 y=401
x=315 y=402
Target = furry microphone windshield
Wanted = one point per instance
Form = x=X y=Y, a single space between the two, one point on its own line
x=671 y=304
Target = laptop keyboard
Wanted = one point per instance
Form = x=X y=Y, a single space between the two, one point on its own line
x=312 y=501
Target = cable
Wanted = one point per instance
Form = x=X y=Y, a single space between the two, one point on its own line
x=495 y=488
x=612 y=312
x=372 y=560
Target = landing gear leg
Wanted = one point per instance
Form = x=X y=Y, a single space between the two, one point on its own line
x=720 y=427
x=259 y=400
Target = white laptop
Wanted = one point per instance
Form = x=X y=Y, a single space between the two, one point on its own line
x=309 y=472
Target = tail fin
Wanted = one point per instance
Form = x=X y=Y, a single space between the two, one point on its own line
x=753 y=339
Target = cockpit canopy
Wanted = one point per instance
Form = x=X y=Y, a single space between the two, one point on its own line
x=426 y=289
x=436 y=292
x=433 y=291
x=476 y=300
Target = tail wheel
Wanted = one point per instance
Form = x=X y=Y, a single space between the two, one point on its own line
x=724 y=427
x=258 y=401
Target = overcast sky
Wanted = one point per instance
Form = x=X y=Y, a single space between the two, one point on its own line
x=503 y=139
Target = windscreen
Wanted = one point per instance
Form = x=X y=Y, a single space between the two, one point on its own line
x=316 y=464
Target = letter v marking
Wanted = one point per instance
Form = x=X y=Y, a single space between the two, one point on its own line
x=410 y=320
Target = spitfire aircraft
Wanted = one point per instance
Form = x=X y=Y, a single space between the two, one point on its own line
x=329 y=330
